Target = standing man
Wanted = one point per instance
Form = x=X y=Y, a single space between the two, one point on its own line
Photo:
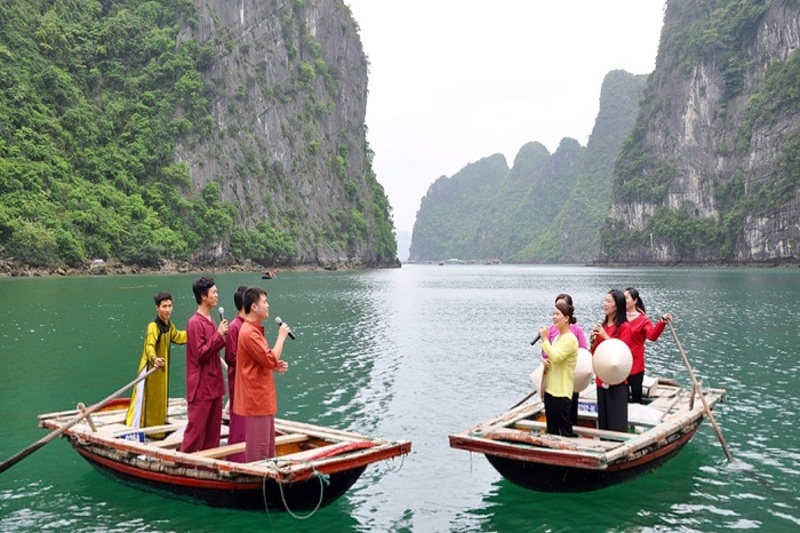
x=237 y=423
x=205 y=386
x=256 y=397
x=148 y=405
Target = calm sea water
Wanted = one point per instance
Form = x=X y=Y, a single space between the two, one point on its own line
x=418 y=353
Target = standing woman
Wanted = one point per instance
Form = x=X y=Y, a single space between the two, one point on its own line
x=612 y=400
x=578 y=332
x=559 y=367
x=573 y=325
x=641 y=329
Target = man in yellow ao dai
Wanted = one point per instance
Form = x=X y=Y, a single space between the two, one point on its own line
x=148 y=405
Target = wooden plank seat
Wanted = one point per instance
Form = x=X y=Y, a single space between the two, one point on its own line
x=173 y=441
x=580 y=430
x=329 y=450
x=166 y=428
x=229 y=449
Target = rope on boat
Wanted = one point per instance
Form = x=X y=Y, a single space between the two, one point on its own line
x=402 y=462
x=324 y=479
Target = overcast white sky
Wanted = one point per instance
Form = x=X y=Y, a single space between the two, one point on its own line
x=454 y=81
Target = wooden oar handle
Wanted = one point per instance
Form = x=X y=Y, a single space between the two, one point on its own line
x=696 y=386
x=14 y=459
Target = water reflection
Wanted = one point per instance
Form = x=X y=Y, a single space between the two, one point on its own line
x=418 y=353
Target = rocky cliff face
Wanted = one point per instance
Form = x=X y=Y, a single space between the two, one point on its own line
x=488 y=211
x=574 y=236
x=288 y=142
x=547 y=208
x=710 y=172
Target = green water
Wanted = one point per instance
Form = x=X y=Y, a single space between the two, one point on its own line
x=417 y=353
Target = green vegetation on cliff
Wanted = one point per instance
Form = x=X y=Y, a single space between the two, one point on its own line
x=94 y=98
x=574 y=235
x=546 y=208
x=725 y=57
x=694 y=30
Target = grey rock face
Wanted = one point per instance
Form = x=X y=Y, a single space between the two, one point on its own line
x=721 y=156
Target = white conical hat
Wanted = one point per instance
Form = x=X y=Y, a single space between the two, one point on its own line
x=536 y=377
x=583 y=370
x=612 y=361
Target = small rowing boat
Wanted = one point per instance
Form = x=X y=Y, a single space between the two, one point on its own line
x=516 y=444
x=314 y=466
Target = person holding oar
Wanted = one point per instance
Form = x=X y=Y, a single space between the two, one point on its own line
x=559 y=370
x=641 y=330
x=148 y=405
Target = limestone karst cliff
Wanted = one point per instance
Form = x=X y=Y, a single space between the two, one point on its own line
x=712 y=169
x=290 y=89
x=546 y=208
x=203 y=131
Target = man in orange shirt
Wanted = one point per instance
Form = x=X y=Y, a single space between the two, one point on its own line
x=255 y=395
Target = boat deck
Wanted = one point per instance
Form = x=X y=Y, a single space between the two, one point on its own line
x=303 y=450
x=670 y=415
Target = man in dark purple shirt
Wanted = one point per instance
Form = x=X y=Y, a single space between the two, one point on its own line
x=237 y=423
x=205 y=385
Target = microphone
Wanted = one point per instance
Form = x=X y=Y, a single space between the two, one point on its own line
x=279 y=322
x=221 y=314
x=534 y=341
x=593 y=336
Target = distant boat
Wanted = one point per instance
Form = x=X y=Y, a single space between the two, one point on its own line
x=315 y=464
x=518 y=448
x=268 y=274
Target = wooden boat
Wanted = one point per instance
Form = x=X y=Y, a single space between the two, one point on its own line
x=516 y=444
x=314 y=466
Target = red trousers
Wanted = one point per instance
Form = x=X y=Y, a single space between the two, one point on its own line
x=236 y=434
x=202 y=431
x=260 y=441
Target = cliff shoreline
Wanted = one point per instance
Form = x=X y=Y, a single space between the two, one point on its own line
x=13 y=269
x=784 y=262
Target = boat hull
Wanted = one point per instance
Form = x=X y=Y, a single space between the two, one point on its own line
x=314 y=464
x=517 y=445
x=546 y=477
x=245 y=492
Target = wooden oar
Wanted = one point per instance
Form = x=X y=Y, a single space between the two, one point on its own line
x=702 y=396
x=526 y=398
x=11 y=461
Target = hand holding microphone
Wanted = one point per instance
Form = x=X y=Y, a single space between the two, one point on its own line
x=543 y=331
x=596 y=330
x=223 y=324
x=280 y=322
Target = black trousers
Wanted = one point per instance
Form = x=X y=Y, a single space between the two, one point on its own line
x=612 y=407
x=558 y=412
x=635 y=387
x=573 y=411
